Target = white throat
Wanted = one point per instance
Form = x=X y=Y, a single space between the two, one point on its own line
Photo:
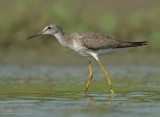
x=58 y=36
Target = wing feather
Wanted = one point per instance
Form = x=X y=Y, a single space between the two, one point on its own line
x=97 y=41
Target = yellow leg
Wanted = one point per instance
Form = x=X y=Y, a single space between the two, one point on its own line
x=107 y=75
x=90 y=77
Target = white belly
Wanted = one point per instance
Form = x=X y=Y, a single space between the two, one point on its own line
x=86 y=52
x=109 y=51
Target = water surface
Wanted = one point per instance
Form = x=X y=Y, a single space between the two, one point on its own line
x=43 y=90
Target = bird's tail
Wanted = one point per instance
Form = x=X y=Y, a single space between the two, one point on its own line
x=138 y=44
x=128 y=44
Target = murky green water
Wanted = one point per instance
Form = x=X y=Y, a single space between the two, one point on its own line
x=43 y=91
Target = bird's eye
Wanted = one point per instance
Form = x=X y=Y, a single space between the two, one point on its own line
x=49 y=27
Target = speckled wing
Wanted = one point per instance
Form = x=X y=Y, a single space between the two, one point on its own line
x=96 y=41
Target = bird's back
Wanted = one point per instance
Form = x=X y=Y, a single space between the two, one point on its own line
x=97 y=41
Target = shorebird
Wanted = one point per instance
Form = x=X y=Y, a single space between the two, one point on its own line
x=89 y=44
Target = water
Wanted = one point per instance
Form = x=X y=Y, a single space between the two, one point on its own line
x=43 y=91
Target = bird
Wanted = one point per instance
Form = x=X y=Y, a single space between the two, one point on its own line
x=89 y=44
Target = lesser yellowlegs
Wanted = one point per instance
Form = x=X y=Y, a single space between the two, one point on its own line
x=89 y=44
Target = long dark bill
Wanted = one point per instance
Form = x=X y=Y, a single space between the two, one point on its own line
x=35 y=35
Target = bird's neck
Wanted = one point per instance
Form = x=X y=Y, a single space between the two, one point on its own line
x=61 y=37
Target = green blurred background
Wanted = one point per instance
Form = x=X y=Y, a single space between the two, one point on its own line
x=137 y=20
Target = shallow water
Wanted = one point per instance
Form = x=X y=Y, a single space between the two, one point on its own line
x=43 y=91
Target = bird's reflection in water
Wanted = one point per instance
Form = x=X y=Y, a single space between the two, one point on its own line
x=92 y=102
x=90 y=98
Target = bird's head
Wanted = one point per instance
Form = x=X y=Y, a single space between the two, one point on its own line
x=49 y=29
